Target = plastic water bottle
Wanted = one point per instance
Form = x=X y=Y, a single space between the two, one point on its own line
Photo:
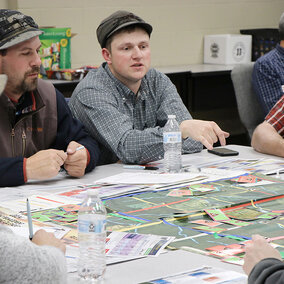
x=172 y=146
x=92 y=238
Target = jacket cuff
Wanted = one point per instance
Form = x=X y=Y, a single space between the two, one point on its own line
x=88 y=157
x=24 y=169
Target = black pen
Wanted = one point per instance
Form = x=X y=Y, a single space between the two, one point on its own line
x=139 y=167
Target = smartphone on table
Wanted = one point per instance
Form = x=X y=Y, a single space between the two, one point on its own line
x=223 y=152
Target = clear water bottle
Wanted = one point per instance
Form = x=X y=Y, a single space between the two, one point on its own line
x=92 y=238
x=172 y=146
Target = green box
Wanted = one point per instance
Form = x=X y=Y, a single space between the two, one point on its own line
x=55 y=51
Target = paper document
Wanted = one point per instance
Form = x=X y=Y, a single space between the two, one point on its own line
x=126 y=244
x=203 y=275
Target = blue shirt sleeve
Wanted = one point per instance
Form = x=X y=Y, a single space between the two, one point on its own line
x=11 y=171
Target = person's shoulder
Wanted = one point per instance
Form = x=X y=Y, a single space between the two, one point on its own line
x=95 y=78
x=268 y=58
x=5 y=230
x=155 y=75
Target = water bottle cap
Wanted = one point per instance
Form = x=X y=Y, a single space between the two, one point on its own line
x=93 y=192
x=171 y=116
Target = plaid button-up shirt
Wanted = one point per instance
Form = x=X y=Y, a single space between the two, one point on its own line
x=129 y=125
x=268 y=78
x=276 y=116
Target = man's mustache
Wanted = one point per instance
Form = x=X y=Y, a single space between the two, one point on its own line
x=34 y=70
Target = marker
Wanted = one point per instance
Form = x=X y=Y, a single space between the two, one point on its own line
x=80 y=148
x=30 y=222
x=138 y=167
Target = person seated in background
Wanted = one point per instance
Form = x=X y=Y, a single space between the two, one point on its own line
x=125 y=105
x=263 y=263
x=38 y=133
x=268 y=136
x=268 y=74
x=41 y=260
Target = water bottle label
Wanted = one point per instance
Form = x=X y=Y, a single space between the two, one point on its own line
x=88 y=226
x=172 y=137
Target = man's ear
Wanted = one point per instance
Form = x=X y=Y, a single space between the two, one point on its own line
x=106 y=55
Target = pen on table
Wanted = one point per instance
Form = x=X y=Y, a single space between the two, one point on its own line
x=277 y=173
x=139 y=167
x=30 y=222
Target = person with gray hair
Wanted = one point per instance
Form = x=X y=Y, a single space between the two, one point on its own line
x=125 y=104
x=268 y=74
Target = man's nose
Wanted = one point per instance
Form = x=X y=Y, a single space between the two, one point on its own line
x=137 y=52
x=36 y=61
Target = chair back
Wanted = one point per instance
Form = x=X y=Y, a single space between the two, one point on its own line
x=249 y=108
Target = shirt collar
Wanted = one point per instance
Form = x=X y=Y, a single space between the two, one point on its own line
x=124 y=90
x=26 y=103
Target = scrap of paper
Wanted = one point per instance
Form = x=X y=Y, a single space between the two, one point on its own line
x=180 y=192
x=245 y=214
x=237 y=223
x=234 y=260
x=269 y=215
x=125 y=244
x=203 y=275
x=217 y=214
x=208 y=223
x=248 y=179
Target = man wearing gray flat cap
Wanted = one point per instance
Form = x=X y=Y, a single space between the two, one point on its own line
x=38 y=134
x=124 y=104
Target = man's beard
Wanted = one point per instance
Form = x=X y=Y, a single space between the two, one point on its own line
x=28 y=86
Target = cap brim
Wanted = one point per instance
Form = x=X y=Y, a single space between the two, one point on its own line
x=146 y=26
x=3 y=80
x=21 y=38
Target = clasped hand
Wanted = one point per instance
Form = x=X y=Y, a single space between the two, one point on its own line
x=206 y=132
x=46 y=164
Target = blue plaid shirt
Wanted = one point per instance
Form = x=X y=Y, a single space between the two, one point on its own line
x=130 y=126
x=268 y=78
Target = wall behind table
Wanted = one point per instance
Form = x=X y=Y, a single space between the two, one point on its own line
x=179 y=25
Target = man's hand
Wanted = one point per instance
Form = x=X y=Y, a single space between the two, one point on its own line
x=206 y=132
x=43 y=238
x=76 y=161
x=45 y=164
x=257 y=250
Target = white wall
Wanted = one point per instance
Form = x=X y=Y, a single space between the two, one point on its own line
x=179 y=25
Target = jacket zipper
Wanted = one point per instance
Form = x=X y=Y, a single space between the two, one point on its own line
x=12 y=141
x=24 y=141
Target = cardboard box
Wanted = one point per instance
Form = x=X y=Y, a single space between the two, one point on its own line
x=55 y=51
x=227 y=49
